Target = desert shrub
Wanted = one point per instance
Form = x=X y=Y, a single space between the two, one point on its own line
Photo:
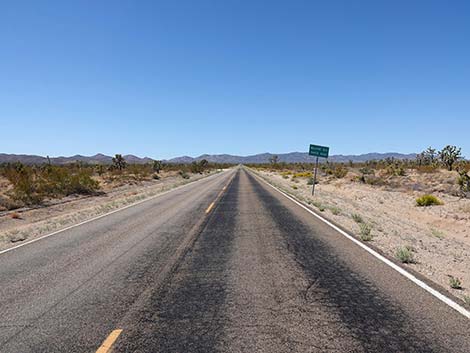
x=82 y=183
x=340 y=172
x=437 y=233
x=365 y=231
x=374 y=180
x=466 y=299
x=395 y=170
x=199 y=167
x=61 y=181
x=100 y=169
x=364 y=172
x=303 y=175
x=9 y=204
x=294 y=187
x=183 y=174
x=357 y=218
x=405 y=255
x=310 y=181
x=31 y=185
x=139 y=171
x=455 y=282
x=156 y=177
x=428 y=200
x=428 y=168
x=26 y=184
x=335 y=210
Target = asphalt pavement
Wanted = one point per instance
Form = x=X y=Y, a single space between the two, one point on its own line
x=225 y=264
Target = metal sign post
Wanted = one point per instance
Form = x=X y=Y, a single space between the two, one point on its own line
x=317 y=151
x=315 y=177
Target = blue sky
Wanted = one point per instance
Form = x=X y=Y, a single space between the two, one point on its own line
x=170 y=78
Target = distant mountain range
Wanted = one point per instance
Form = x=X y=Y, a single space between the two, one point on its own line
x=293 y=157
x=96 y=159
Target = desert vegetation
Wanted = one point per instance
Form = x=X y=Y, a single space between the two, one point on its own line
x=32 y=185
x=452 y=170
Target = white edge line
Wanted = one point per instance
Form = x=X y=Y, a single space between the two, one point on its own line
x=397 y=268
x=105 y=214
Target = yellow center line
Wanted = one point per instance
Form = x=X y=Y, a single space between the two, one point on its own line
x=108 y=342
x=210 y=207
x=218 y=196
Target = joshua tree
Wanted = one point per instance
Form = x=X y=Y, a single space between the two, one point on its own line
x=119 y=162
x=274 y=159
x=464 y=182
x=157 y=166
x=204 y=163
x=430 y=154
x=450 y=155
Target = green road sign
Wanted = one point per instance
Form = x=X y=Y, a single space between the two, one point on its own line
x=319 y=151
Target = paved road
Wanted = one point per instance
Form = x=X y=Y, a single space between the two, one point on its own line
x=251 y=272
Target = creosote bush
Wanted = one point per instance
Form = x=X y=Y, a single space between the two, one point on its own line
x=455 y=282
x=405 y=255
x=428 y=200
x=183 y=174
x=365 y=232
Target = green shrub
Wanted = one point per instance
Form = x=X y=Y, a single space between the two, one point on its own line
x=466 y=299
x=357 y=218
x=437 y=233
x=303 y=175
x=365 y=232
x=294 y=187
x=26 y=184
x=82 y=183
x=340 y=172
x=428 y=200
x=310 y=181
x=455 y=283
x=335 y=210
x=405 y=255
x=464 y=181
x=183 y=174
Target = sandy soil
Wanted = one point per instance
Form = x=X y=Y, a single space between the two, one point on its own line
x=62 y=213
x=439 y=235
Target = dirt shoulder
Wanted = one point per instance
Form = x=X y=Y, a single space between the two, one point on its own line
x=438 y=236
x=26 y=224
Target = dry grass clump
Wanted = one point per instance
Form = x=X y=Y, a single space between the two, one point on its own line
x=365 y=232
x=405 y=255
x=455 y=282
x=357 y=218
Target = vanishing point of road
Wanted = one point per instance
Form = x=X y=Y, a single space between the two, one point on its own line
x=225 y=264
